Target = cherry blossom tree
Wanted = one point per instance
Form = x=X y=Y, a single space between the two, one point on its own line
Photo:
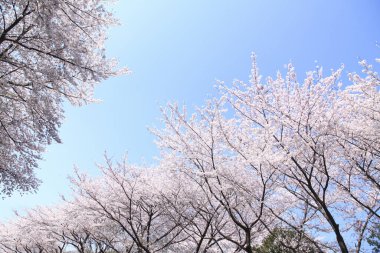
x=49 y=51
x=237 y=189
x=131 y=198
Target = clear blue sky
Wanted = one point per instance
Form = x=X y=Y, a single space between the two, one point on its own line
x=176 y=50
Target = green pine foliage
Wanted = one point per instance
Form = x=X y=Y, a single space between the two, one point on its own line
x=286 y=241
x=374 y=239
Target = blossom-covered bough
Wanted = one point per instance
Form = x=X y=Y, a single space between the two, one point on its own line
x=295 y=164
x=50 y=50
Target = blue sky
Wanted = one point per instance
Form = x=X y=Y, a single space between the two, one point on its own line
x=176 y=51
